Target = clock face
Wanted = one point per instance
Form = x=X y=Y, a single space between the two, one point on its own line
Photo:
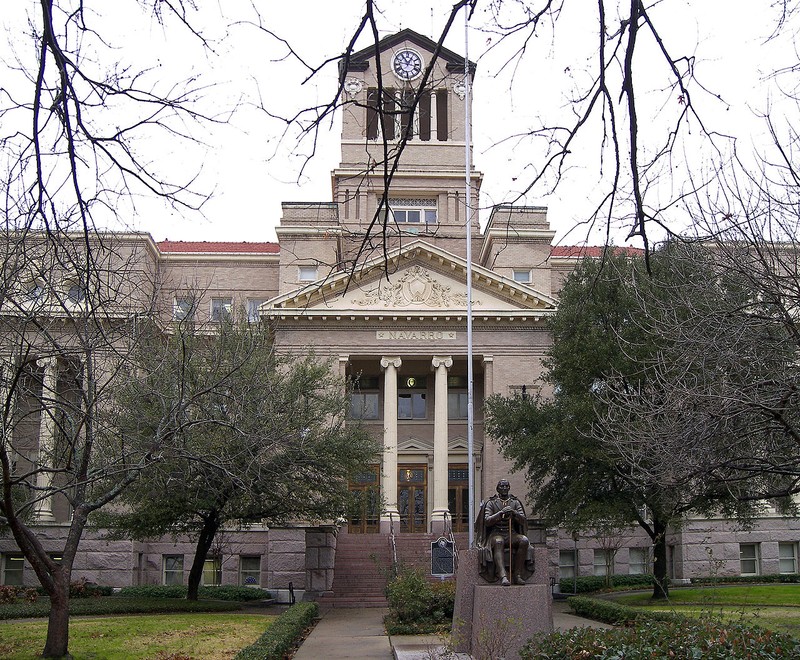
x=407 y=64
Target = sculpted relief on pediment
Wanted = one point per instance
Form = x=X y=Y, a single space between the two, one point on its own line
x=416 y=287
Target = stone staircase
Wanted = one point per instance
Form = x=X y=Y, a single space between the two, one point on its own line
x=363 y=562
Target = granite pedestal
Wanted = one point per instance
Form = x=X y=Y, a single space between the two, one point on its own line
x=490 y=620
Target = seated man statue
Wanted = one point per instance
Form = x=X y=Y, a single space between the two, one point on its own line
x=502 y=526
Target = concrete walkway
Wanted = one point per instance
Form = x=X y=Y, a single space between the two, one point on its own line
x=359 y=633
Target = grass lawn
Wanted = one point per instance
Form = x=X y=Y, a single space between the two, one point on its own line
x=197 y=636
x=776 y=607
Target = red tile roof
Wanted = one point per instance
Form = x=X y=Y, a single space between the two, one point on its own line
x=219 y=247
x=592 y=251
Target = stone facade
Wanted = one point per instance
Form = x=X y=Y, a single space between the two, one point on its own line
x=393 y=319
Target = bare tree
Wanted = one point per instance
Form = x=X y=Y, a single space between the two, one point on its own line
x=633 y=107
x=75 y=117
x=720 y=408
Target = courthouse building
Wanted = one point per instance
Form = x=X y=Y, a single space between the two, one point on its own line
x=394 y=322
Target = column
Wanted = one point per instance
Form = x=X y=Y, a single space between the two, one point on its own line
x=47 y=434
x=488 y=376
x=343 y=362
x=440 y=455
x=390 y=365
x=434 y=121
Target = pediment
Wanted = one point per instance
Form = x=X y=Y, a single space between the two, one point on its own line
x=360 y=59
x=416 y=279
x=459 y=444
x=414 y=445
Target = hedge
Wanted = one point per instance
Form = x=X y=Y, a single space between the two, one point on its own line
x=589 y=583
x=225 y=592
x=786 y=578
x=614 y=613
x=117 y=605
x=677 y=639
x=282 y=635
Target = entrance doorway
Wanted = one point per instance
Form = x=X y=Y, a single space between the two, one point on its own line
x=365 y=505
x=412 y=497
x=458 y=496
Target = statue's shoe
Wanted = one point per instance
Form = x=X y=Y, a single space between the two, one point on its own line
x=519 y=580
x=504 y=581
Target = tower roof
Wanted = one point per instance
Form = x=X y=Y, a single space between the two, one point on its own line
x=359 y=61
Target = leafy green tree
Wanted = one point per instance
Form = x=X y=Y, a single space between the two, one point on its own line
x=580 y=473
x=264 y=439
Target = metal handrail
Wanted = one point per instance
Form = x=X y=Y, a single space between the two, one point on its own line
x=393 y=544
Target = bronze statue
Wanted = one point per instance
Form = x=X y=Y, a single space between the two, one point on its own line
x=502 y=526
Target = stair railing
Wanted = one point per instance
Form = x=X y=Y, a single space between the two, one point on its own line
x=393 y=544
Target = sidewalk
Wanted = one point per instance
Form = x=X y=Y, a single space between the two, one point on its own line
x=359 y=633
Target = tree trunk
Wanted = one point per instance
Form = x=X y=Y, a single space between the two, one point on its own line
x=660 y=573
x=57 y=643
x=204 y=541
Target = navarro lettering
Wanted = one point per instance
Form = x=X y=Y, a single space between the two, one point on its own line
x=416 y=335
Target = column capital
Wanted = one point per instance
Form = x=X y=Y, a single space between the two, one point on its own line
x=442 y=360
x=48 y=362
x=393 y=361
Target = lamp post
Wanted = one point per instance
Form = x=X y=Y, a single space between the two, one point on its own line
x=575 y=560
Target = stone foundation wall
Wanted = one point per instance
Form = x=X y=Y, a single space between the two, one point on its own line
x=320 y=558
x=286 y=559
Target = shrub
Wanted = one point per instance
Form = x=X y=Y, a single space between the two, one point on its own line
x=282 y=635
x=82 y=588
x=227 y=592
x=416 y=606
x=677 y=639
x=12 y=594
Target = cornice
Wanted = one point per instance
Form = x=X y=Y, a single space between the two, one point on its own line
x=208 y=257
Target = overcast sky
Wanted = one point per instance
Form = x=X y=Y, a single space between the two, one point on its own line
x=252 y=166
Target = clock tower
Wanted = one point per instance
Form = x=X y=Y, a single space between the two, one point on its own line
x=403 y=125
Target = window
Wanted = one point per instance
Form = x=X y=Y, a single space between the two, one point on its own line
x=603 y=561
x=523 y=276
x=183 y=310
x=13 y=569
x=457 y=403
x=221 y=309
x=413 y=211
x=76 y=292
x=364 y=397
x=364 y=405
x=252 y=309
x=639 y=561
x=787 y=557
x=173 y=569
x=566 y=564
x=35 y=292
x=457 y=397
x=411 y=398
x=748 y=558
x=307 y=273
x=212 y=572
x=249 y=571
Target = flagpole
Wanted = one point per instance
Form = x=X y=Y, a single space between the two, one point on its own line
x=468 y=205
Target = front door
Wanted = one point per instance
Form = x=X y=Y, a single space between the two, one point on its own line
x=458 y=496
x=365 y=504
x=412 y=497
